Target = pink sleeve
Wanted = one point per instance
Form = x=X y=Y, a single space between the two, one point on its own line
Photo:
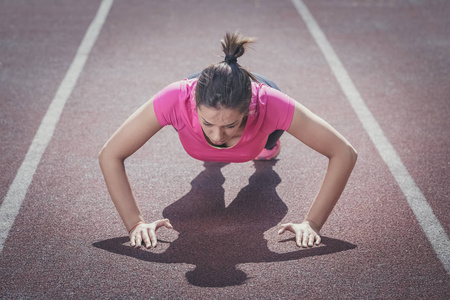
x=166 y=103
x=279 y=110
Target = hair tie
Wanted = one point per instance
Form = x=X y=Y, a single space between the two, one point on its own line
x=230 y=59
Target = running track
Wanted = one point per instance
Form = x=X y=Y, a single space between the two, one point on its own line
x=376 y=70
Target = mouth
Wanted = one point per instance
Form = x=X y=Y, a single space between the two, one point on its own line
x=215 y=143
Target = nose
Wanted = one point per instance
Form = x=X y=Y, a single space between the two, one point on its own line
x=217 y=135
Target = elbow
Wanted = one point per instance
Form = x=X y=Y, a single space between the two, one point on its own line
x=108 y=155
x=346 y=154
x=104 y=156
x=353 y=154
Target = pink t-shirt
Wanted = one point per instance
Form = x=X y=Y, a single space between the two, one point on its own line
x=269 y=110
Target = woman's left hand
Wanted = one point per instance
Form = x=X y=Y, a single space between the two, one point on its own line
x=306 y=233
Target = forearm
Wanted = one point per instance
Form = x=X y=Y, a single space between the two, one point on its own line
x=119 y=188
x=336 y=177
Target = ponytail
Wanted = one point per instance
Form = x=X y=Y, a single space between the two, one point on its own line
x=227 y=84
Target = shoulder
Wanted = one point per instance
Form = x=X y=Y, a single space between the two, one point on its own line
x=174 y=100
x=179 y=89
x=274 y=106
x=267 y=98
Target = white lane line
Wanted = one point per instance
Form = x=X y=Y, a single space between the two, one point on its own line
x=18 y=189
x=416 y=200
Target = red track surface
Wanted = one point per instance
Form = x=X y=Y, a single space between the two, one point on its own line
x=68 y=240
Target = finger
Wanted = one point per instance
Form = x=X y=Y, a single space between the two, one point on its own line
x=163 y=222
x=153 y=237
x=284 y=227
x=311 y=240
x=146 y=239
x=298 y=239
x=138 y=239
x=167 y=224
x=133 y=240
x=318 y=239
x=305 y=240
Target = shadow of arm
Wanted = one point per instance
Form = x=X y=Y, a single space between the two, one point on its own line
x=120 y=245
x=328 y=246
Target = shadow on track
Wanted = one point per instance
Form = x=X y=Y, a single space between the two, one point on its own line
x=216 y=238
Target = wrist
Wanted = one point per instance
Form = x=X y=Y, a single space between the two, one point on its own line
x=136 y=225
x=313 y=225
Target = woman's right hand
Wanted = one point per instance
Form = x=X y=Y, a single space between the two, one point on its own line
x=146 y=232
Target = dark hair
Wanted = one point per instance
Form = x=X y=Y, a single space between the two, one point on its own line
x=227 y=84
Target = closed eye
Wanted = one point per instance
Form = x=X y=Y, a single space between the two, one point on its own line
x=230 y=126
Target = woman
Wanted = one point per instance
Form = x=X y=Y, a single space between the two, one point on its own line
x=226 y=115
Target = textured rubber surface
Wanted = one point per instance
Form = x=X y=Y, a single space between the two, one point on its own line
x=68 y=240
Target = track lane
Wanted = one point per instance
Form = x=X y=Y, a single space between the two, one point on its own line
x=395 y=51
x=37 y=45
x=423 y=212
x=18 y=189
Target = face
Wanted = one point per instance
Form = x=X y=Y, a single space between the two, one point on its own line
x=219 y=125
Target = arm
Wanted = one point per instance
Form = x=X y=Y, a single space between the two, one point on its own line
x=320 y=136
x=130 y=136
